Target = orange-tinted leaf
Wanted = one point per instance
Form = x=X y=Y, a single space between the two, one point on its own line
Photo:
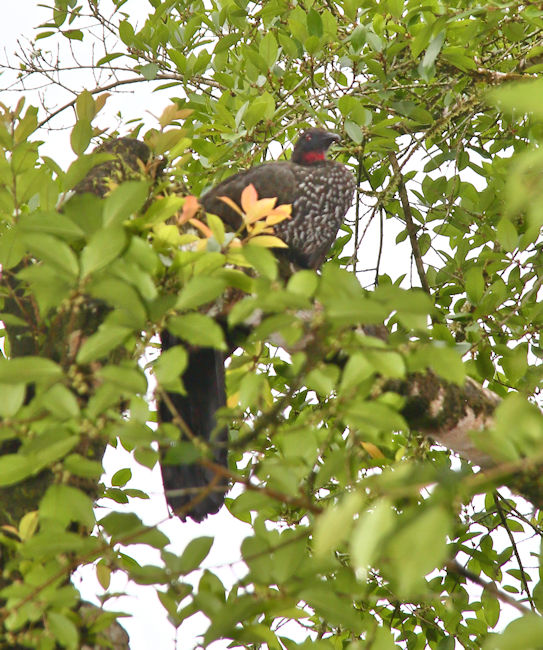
x=190 y=208
x=201 y=227
x=372 y=450
x=100 y=101
x=248 y=197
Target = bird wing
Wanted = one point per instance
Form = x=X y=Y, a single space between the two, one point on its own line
x=274 y=179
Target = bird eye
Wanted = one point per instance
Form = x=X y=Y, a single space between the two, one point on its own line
x=308 y=137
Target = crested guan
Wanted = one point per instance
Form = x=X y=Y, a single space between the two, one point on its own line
x=320 y=192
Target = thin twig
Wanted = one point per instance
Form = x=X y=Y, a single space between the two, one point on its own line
x=514 y=546
x=455 y=567
x=410 y=224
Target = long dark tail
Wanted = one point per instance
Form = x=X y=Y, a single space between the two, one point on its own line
x=204 y=383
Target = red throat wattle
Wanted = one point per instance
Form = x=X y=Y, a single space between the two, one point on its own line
x=313 y=156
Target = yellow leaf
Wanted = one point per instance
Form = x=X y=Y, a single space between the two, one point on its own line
x=268 y=241
x=167 y=233
x=235 y=256
x=231 y=203
x=260 y=227
x=259 y=209
x=372 y=450
x=28 y=525
x=232 y=400
x=280 y=213
x=172 y=113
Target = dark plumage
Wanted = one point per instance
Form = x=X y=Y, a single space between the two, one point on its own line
x=320 y=192
x=204 y=384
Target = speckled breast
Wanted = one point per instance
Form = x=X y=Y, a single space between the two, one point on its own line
x=324 y=193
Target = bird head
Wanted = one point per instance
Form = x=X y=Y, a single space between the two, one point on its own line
x=312 y=146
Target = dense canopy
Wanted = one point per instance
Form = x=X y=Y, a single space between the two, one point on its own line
x=364 y=533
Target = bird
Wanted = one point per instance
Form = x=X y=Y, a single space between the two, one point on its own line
x=320 y=192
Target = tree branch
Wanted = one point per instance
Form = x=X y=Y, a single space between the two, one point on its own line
x=410 y=224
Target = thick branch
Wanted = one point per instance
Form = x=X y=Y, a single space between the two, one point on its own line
x=447 y=412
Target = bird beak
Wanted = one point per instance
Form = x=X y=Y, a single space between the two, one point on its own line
x=332 y=138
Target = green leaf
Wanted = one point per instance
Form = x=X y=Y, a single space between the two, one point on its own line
x=148 y=71
x=53 y=251
x=198 y=330
x=507 y=234
x=314 y=23
x=170 y=366
x=334 y=525
x=354 y=131
x=64 y=630
x=521 y=96
x=117 y=524
x=81 y=136
x=128 y=307
x=525 y=632
x=127 y=377
x=28 y=369
x=121 y=477
x=12 y=248
x=262 y=108
x=268 y=49
x=334 y=608
x=303 y=283
x=125 y=200
x=433 y=50
x=323 y=379
x=475 y=284
x=76 y=506
x=369 y=532
x=54 y=223
x=80 y=466
x=13 y=396
x=104 y=246
x=413 y=555
x=217 y=227
x=356 y=370
x=263 y=260
x=62 y=402
x=15 y=468
x=198 y=291
x=194 y=554
x=107 y=338
x=84 y=105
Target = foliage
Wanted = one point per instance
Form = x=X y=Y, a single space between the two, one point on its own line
x=364 y=535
